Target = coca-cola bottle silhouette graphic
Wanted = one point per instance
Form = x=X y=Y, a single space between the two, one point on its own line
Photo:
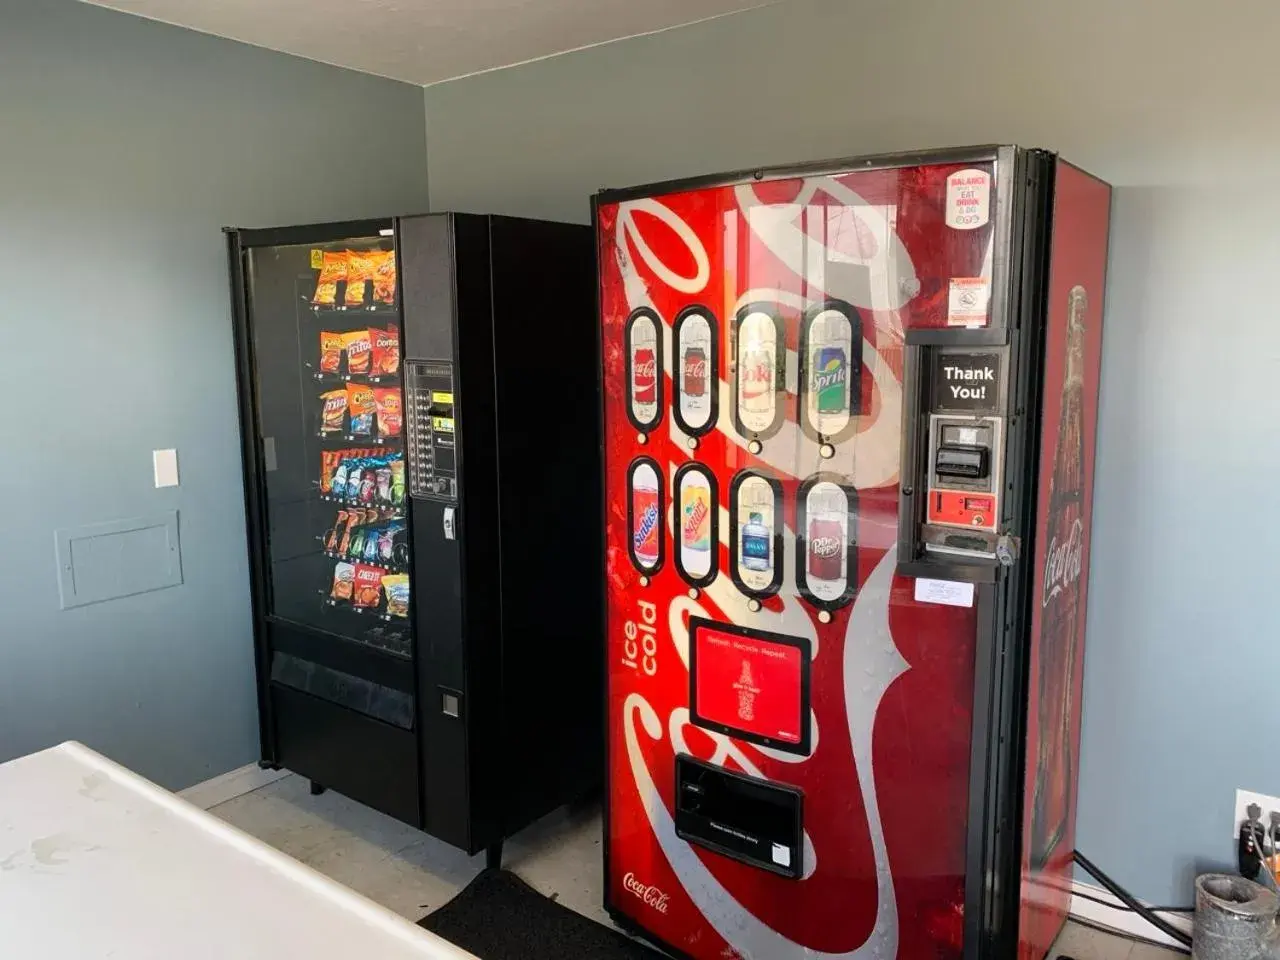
x=1055 y=768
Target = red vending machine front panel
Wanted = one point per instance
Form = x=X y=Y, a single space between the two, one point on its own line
x=753 y=362
x=1069 y=419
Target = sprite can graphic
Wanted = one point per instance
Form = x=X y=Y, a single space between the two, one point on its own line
x=831 y=380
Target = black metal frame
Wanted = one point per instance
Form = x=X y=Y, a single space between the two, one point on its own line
x=800 y=748
x=254 y=483
x=1024 y=189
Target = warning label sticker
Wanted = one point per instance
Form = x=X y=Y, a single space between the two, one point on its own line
x=968 y=301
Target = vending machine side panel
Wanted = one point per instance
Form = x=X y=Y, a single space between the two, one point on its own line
x=550 y=501
x=436 y=293
x=1060 y=551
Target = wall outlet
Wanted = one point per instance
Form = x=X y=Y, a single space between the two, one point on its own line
x=1246 y=797
x=165 y=463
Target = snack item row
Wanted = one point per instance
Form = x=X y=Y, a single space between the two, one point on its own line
x=364 y=586
x=365 y=534
x=363 y=480
x=370 y=350
x=357 y=269
x=356 y=409
x=329 y=460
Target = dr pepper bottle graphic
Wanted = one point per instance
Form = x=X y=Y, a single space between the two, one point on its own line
x=1060 y=603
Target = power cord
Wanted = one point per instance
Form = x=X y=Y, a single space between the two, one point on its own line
x=1123 y=895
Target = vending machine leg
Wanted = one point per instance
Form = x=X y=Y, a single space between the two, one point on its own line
x=493 y=856
x=317 y=788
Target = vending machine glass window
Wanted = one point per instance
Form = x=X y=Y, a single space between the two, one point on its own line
x=326 y=342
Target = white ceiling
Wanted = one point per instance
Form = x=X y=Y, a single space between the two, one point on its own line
x=426 y=41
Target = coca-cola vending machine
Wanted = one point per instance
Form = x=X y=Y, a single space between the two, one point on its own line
x=849 y=418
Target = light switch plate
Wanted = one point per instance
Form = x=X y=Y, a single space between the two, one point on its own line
x=166 y=467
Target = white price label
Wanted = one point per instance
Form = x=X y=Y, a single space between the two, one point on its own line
x=949 y=593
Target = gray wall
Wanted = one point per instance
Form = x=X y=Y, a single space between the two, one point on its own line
x=1170 y=99
x=125 y=146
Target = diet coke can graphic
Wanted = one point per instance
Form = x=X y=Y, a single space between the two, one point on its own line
x=756 y=504
x=831 y=348
x=645 y=510
x=758 y=383
x=1060 y=625
x=825 y=508
x=695 y=496
x=644 y=369
x=697 y=382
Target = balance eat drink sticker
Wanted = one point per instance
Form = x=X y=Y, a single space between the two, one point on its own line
x=968 y=199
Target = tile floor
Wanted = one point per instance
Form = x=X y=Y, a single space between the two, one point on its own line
x=413 y=874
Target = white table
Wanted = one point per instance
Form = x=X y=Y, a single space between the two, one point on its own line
x=96 y=862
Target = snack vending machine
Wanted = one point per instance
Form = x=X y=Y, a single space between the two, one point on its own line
x=849 y=428
x=412 y=472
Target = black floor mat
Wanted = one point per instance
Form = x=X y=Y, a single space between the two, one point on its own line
x=500 y=917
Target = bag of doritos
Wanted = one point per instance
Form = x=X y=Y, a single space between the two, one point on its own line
x=386 y=351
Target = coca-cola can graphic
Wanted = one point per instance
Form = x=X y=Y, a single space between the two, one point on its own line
x=697 y=383
x=646 y=516
x=644 y=376
x=644 y=369
x=1060 y=625
x=694 y=372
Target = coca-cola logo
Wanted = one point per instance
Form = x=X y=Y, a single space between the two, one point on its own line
x=645 y=370
x=825 y=546
x=695 y=368
x=1062 y=563
x=651 y=895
